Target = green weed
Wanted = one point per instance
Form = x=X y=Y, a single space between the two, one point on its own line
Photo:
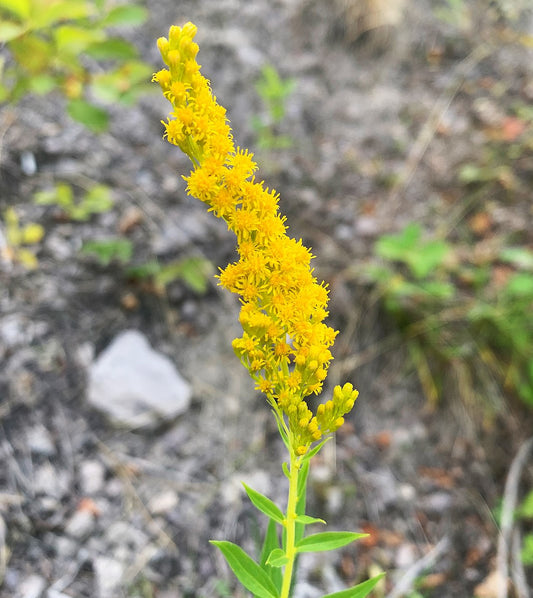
x=51 y=44
x=274 y=92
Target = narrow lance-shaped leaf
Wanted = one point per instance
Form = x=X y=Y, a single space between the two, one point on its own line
x=307 y=520
x=270 y=543
x=327 y=541
x=316 y=448
x=264 y=504
x=277 y=558
x=247 y=571
x=361 y=590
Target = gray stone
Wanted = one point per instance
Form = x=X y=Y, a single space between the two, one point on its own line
x=136 y=386
x=32 y=587
x=108 y=574
x=80 y=525
x=92 y=474
x=40 y=442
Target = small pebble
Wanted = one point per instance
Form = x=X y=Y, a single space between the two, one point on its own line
x=92 y=477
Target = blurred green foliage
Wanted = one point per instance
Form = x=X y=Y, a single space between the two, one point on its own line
x=194 y=272
x=65 y=46
x=462 y=319
x=95 y=201
x=274 y=92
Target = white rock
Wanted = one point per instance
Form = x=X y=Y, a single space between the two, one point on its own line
x=80 y=524
x=32 y=587
x=163 y=502
x=108 y=574
x=92 y=474
x=136 y=386
x=40 y=441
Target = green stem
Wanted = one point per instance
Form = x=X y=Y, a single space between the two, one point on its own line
x=290 y=526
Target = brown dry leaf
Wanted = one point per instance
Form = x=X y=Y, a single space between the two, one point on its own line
x=480 y=223
x=440 y=477
x=129 y=301
x=512 y=128
x=383 y=439
x=132 y=218
x=433 y=580
x=373 y=535
x=88 y=504
x=348 y=568
x=491 y=587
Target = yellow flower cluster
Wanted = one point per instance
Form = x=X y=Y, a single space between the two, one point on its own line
x=285 y=344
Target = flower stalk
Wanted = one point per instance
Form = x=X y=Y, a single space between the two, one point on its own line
x=285 y=343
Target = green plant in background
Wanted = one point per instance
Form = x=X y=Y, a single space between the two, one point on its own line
x=285 y=343
x=96 y=200
x=15 y=243
x=274 y=92
x=525 y=514
x=51 y=44
x=460 y=321
x=109 y=250
x=193 y=271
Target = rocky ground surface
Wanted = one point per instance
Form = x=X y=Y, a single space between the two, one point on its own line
x=100 y=499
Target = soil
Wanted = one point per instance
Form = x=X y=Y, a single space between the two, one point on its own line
x=383 y=114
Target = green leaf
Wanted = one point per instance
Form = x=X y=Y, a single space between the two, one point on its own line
x=527 y=551
x=277 y=558
x=264 y=504
x=146 y=270
x=427 y=257
x=520 y=285
x=112 y=49
x=70 y=38
x=195 y=273
x=10 y=31
x=270 y=543
x=97 y=200
x=42 y=84
x=518 y=256
x=316 y=448
x=126 y=14
x=247 y=571
x=123 y=84
x=107 y=251
x=525 y=510
x=286 y=471
x=46 y=14
x=93 y=117
x=394 y=247
x=327 y=541
x=20 y=8
x=361 y=590
x=307 y=520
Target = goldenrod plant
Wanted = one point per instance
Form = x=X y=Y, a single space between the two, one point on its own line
x=285 y=343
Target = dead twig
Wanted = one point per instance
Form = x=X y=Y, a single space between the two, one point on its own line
x=405 y=585
x=510 y=497
x=518 y=573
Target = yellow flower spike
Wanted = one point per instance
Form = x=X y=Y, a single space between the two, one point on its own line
x=285 y=343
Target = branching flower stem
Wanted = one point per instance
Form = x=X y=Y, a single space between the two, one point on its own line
x=290 y=525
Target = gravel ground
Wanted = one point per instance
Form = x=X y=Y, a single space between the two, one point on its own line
x=382 y=115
